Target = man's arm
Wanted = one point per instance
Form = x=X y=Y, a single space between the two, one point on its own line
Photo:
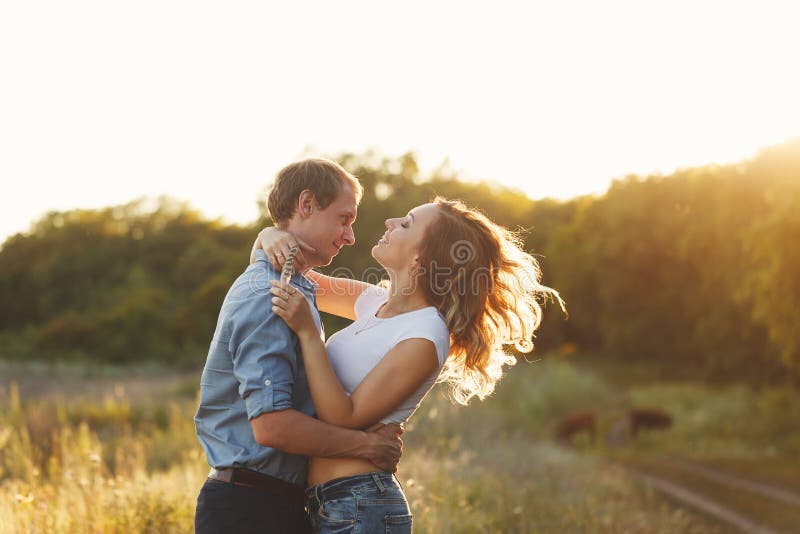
x=296 y=433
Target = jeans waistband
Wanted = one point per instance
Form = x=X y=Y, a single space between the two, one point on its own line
x=376 y=479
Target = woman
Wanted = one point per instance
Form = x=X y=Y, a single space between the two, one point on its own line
x=460 y=288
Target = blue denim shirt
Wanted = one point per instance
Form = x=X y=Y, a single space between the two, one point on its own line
x=253 y=367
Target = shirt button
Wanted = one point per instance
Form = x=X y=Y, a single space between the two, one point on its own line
x=267 y=382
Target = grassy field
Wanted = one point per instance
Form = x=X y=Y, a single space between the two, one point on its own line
x=112 y=450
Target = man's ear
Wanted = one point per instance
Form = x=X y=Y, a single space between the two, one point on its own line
x=306 y=203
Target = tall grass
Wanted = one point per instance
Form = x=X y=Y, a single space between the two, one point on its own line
x=122 y=465
x=105 y=467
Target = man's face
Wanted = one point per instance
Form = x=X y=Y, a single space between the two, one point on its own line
x=329 y=229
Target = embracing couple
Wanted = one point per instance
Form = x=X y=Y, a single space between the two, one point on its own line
x=303 y=435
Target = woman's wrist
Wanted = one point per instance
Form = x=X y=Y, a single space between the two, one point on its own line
x=309 y=335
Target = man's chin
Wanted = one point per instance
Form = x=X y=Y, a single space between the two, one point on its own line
x=321 y=259
x=325 y=261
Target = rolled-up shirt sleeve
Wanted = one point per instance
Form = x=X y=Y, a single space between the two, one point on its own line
x=264 y=357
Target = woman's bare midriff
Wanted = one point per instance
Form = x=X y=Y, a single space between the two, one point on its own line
x=324 y=469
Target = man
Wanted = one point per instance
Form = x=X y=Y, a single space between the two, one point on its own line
x=255 y=415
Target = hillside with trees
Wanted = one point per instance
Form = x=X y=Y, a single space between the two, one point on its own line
x=697 y=269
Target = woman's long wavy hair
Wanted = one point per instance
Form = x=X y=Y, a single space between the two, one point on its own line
x=487 y=288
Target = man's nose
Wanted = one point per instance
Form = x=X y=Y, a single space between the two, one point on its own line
x=349 y=236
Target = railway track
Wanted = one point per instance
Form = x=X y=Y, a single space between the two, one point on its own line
x=749 y=506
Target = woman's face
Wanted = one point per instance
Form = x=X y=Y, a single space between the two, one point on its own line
x=398 y=247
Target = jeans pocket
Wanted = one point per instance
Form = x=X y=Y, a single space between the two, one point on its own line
x=338 y=508
x=400 y=523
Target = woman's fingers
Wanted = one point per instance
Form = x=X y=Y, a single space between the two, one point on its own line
x=285 y=292
x=281 y=284
x=282 y=293
x=277 y=245
x=275 y=249
x=276 y=261
x=286 y=252
x=286 y=244
x=286 y=301
x=305 y=247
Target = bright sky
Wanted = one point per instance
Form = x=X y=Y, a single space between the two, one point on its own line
x=102 y=102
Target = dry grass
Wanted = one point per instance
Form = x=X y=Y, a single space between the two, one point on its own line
x=116 y=464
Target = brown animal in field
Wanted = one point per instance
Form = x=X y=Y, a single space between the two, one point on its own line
x=648 y=418
x=576 y=423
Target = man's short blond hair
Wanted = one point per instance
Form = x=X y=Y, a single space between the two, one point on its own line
x=323 y=177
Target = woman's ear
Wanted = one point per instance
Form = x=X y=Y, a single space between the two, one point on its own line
x=413 y=267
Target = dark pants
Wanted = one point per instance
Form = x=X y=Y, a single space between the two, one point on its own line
x=227 y=508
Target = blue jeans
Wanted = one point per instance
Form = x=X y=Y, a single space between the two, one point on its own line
x=368 y=503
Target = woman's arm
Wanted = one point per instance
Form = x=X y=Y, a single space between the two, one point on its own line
x=401 y=372
x=337 y=295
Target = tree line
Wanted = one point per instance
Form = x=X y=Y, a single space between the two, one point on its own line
x=697 y=270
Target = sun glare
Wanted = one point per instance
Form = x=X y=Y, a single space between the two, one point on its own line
x=105 y=103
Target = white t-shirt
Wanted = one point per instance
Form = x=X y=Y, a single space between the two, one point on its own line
x=355 y=350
